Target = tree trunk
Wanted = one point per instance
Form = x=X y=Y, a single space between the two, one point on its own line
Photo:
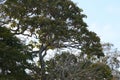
x=42 y=69
x=42 y=63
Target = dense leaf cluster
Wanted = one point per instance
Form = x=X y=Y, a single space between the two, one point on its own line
x=13 y=57
x=69 y=67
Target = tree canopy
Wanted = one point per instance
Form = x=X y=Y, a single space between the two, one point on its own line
x=13 y=57
x=52 y=24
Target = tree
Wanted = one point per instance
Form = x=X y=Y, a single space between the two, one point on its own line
x=13 y=57
x=54 y=23
x=111 y=59
x=67 y=66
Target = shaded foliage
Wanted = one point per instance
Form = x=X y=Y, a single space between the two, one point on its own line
x=13 y=57
x=67 y=66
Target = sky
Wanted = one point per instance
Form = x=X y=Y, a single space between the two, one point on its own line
x=103 y=17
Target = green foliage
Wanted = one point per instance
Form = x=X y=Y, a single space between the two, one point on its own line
x=111 y=58
x=53 y=23
x=67 y=66
x=103 y=70
x=13 y=57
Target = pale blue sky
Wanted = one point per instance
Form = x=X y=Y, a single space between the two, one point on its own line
x=103 y=17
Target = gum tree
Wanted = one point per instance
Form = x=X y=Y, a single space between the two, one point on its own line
x=68 y=66
x=53 y=23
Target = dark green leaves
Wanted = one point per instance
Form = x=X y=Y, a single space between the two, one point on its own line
x=13 y=56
